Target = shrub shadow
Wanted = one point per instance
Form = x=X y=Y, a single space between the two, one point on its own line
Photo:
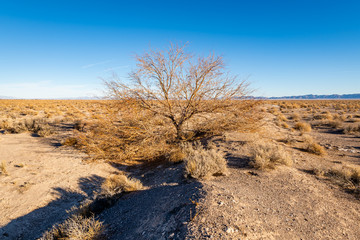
x=238 y=162
x=35 y=223
x=161 y=212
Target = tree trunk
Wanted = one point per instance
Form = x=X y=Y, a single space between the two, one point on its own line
x=179 y=132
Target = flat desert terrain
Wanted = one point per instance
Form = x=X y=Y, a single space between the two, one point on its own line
x=83 y=170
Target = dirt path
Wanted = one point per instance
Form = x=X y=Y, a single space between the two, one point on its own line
x=42 y=182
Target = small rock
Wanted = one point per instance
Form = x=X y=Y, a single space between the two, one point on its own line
x=230 y=230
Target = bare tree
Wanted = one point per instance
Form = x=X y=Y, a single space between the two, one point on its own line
x=178 y=86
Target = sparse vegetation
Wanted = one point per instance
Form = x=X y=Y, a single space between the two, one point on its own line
x=36 y=126
x=281 y=117
x=266 y=155
x=312 y=147
x=295 y=117
x=76 y=227
x=176 y=155
x=303 y=127
x=70 y=141
x=201 y=163
x=119 y=183
x=3 y=168
x=125 y=133
x=352 y=129
x=346 y=176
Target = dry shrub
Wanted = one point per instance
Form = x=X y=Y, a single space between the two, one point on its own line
x=178 y=87
x=333 y=123
x=324 y=116
x=43 y=130
x=281 y=117
x=126 y=134
x=120 y=183
x=176 y=155
x=80 y=125
x=76 y=228
x=273 y=110
x=3 y=168
x=346 y=173
x=312 y=147
x=37 y=126
x=339 y=117
x=16 y=127
x=303 y=127
x=201 y=163
x=71 y=141
x=5 y=124
x=295 y=117
x=347 y=177
x=327 y=123
x=244 y=117
x=352 y=129
x=266 y=155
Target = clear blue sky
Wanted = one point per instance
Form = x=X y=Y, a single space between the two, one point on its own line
x=61 y=48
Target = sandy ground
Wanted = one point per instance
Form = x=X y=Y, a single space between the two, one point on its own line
x=286 y=203
x=43 y=180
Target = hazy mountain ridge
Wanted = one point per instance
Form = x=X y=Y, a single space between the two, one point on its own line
x=308 y=96
x=312 y=96
x=6 y=97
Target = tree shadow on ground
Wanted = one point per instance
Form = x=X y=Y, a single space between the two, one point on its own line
x=33 y=224
x=162 y=211
x=242 y=162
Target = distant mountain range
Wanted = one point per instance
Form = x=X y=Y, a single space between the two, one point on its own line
x=309 y=96
x=312 y=96
x=6 y=97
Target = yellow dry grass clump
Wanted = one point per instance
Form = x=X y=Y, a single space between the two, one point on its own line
x=266 y=155
x=3 y=168
x=76 y=227
x=312 y=147
x=120 y=183
x=295 y=117
x=303 y=127
x=281 y=117
x=176 y=155
x=37 y=126
x=346 y=176
x=351 y=174
x=352 y=129
x=201 y=163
